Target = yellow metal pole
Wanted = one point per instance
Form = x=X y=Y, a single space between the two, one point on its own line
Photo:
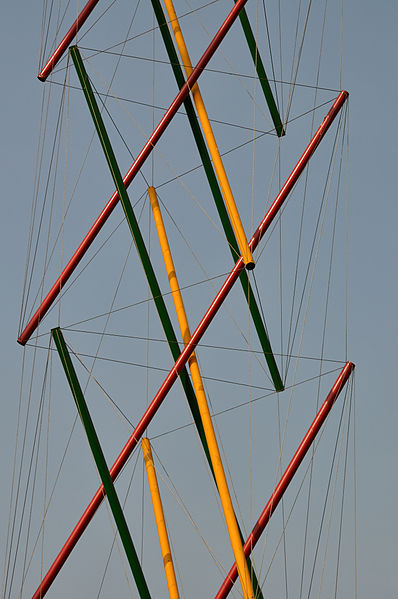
x=160 y=521
x=214 y=452
x=211 y=142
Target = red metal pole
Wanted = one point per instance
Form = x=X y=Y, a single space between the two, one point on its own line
x=57 y=54
x=189 y=348
x=134 y=169
x=288 y=475
x=96 y=227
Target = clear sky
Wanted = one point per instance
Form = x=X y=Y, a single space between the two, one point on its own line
x=370 y=75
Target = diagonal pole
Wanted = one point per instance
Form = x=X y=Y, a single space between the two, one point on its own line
x=288 y=475
x=130 y=175
x=160 y=520
x=137 y=237
x=218 y=200
x=101 y=464
x=189 y=348
x=91 y=4
x=215 y=456
x=63 y=45
x=263 y=79
x=219 y=168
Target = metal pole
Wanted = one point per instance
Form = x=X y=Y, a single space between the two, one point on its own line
x=62 y=47
x=215 y=456
x=288 y=475
x=189 y=348
x=218 y=165
x=218 y=200
x=262 y=77
x=137 y=237
x=160 y=520
x=129 y=177
x=101 y=464
x=91 y=4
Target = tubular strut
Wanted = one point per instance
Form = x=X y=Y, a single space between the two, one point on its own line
x=231 y=522
x=208 y=133
x=101 y=464
x=160 y=520
x=263 y=79
x=288 y=475
x=62 y=47
x=189 y=348
x=129 y=177
x=91 y=4
x=142 y=251
x=138 y=239
x=218 y=200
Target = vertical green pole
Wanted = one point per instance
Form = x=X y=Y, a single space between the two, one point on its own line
x=138 y=240
x=211 y=177
x=100 y=461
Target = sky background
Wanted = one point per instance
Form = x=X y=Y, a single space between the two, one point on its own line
x=370 y=75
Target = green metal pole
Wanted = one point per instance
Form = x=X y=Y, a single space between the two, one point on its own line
x=138 y=240
x=100 y=461
x=117 y=177
x=211 y=177
x=258 y=63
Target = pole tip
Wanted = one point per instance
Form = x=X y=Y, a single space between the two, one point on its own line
x=250 y=265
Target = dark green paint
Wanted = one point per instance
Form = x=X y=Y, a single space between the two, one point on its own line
x=100 y=461
x=167 y=326
x=222 y=211
x=138 y=240
x=258 y=63
x=211 y=177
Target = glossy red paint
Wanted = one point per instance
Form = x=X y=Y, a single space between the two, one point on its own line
x=189 y=348
x=129 y=177
x=288 y=475
x=62 y=47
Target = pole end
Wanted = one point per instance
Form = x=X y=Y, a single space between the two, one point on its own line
x=280 y=131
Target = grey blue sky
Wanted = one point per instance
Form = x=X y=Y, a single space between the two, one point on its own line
x=370 y=51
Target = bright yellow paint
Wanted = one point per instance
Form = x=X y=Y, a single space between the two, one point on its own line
x=160 y=521
x=215 y=456
x=211 y=142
